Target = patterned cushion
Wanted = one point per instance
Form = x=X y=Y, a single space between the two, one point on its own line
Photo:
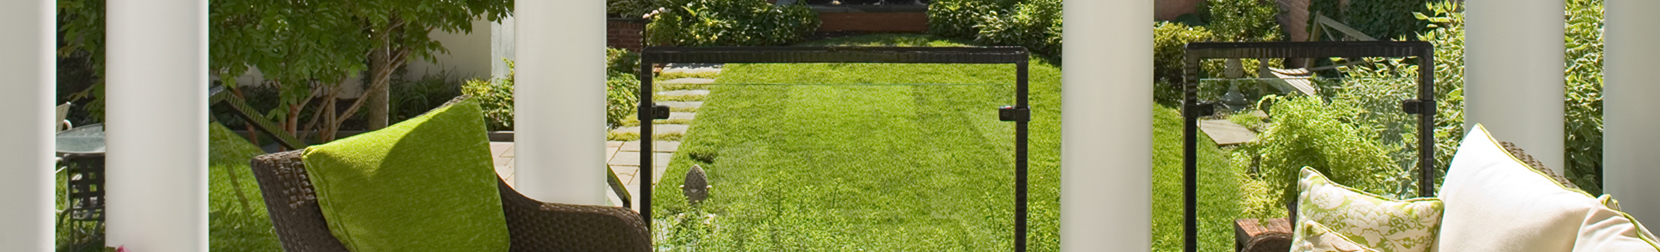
x=1370 y=220
x=1313 y=237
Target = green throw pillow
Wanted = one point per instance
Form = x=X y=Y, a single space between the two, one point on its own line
x=425 y=184
x=1372 y=221
x=1313 y=237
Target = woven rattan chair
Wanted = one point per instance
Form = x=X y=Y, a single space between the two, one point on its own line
x=532 y=225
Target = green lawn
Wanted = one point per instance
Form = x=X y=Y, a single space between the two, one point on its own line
x=832 y=165
x=230 y=226
x=1219 y=188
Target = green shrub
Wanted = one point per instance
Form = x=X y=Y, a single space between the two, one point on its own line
x=495 y=97
x=1241 y=20
x=1309 y=132
x=1382 y=19
x=729 y=23
x=623 y=61
x=412 y=98
x=1584 y=95
x=1034 y=24
x=959 y=18
x=621 y=98
x=1169 y=45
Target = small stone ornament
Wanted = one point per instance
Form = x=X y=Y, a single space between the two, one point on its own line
x=696 y=186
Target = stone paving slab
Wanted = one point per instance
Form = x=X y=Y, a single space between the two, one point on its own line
x=631 y=180
x=682 y=81
x=658 y=146
x=681 y=104
x=632 y=158
x=682 y=115
x=1226 y=132
x=501 y=149
x=656 y=129
x=685 y=92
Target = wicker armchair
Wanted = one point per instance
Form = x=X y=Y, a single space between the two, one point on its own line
x=532 y=225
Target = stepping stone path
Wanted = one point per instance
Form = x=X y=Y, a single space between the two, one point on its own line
x=624 y=157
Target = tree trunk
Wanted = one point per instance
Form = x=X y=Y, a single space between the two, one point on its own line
x=378 y=97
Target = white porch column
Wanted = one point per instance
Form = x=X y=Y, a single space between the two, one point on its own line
x=1106 y=154
x=559 y=101
x=1631 y=108
x=27 y=61
x=156 y=65
x=1513 y=74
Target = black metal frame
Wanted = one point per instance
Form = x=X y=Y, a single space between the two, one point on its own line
x=1192 y=108
x=1019 y=113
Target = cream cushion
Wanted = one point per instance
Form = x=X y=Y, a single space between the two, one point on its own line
x=1606 y=228
x=1495 y=202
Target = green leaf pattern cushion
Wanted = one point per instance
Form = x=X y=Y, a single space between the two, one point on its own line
x=1373 y=221
x=424 y=184
x=1313 y=237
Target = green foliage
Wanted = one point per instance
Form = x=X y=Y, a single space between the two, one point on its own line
x=1034 y=24
x=81 y=32
x=628 y=8
x=960 y=18
x=1309 y=132
x=729 y=23
x=1222 y=194
x=1169 y=47
x=621 y=61
x=1382 y=19
x=412 y=98
x=1584 y=95
x=1241 y=20
x=621 y=98
x=495 y=97
x=231 y=227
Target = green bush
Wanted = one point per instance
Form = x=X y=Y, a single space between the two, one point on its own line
x=1241 y=20
x=1382 y=19
x=495 y=97
x=412 y=98
x=1169 y=45
x=1584 y=94
x=1309 y=132
x=729 y=23
x=623 y=61
x=621 y=97
x=1034 y=24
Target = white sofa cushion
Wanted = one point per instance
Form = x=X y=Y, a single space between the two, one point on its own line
x=1495 y=202
x=1606 y=228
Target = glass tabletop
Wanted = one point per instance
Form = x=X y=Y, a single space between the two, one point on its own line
x=83 y=139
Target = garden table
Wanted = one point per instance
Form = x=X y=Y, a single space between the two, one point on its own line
x=81 y=152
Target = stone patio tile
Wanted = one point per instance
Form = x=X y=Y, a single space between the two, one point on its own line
x=685 y=92
x=632 y=158
x=656 y=129
x=682 y=115
x=1226 y=132
x=681 y=104
x=658 y=146
x=497 y=148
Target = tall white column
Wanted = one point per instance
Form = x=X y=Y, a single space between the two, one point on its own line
x=156 y=65
x=1107 y=157
x=1631 y=107
x=26 y=123
x=559 y=101
x=1513 y=74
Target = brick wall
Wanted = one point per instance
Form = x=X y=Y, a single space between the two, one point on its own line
x=625 y=33
x=873 y=21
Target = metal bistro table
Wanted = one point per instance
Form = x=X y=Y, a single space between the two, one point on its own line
x=81 y=155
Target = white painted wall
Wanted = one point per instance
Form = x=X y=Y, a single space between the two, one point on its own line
x=1630 y=173
x=1513 y=74
x=156 y=122
x=1107 y=135
x=469 y=55
x=26 y=115
x=559 y=108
